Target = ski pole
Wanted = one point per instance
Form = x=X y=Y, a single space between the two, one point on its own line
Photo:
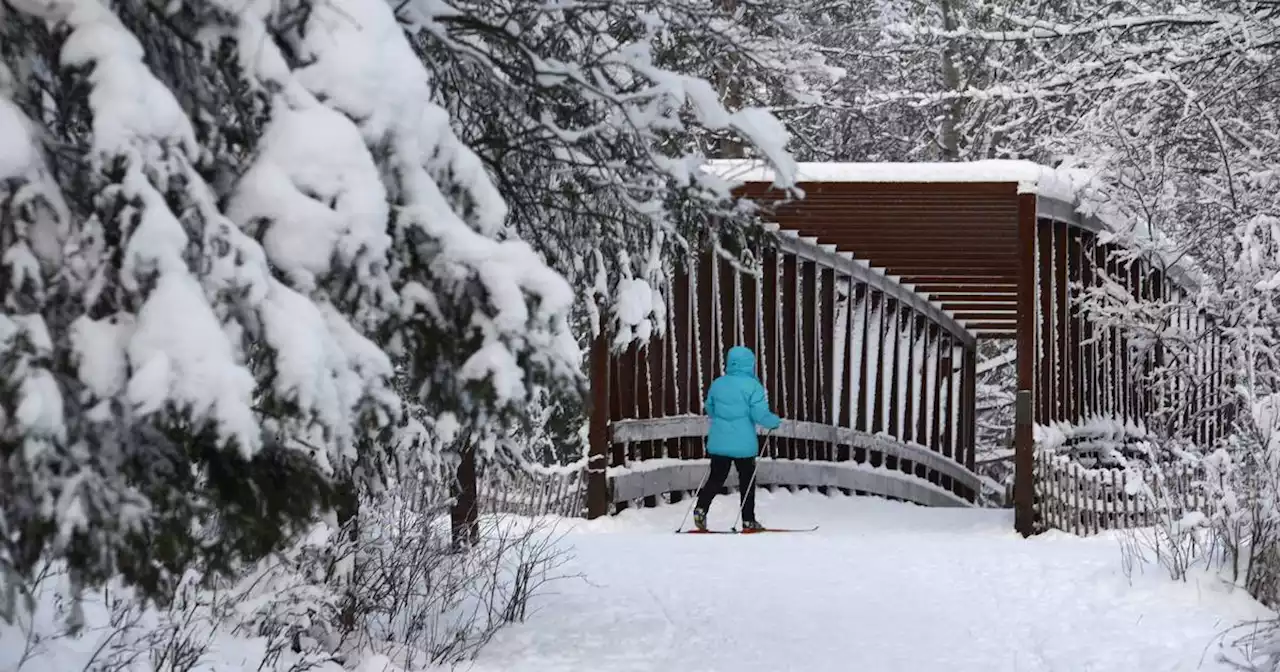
x=695 y=500
x=750 y=486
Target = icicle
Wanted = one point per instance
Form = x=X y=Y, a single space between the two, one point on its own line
x=929 y=378
x=841 y=336
x=875 y=346
x=857 y=331
x=739 y=332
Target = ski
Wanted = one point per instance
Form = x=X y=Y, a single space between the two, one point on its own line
x=767 y=529
x=781 y=529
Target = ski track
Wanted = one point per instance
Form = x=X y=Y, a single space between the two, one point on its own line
x=883 y=586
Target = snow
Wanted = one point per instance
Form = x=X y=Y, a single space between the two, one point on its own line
x=325 y=201
x=843 y=308
x=858 y=320
x=874 y=344
x=897 y=587
x=40 y=413
x=932 y=392
x=636 y=302
x=100 y=352
x=495 y=362
x=893 y=586
x=37 y=241
x=311 y=370
x=1034 y=178
x=17 y=154
x=1106 y=434
x=325 y=209
x=194 y=367
x=131 y=108
x=1006 y=359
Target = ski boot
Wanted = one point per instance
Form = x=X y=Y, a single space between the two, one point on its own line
x=700 y=519
x=752 y=526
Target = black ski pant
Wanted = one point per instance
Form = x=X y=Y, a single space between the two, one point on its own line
x=746 y=481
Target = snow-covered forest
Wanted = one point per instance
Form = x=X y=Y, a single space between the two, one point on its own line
x=270 y=270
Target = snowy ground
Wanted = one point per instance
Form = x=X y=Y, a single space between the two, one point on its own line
x=882 y=587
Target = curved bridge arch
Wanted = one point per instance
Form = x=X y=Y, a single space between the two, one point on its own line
x=874 y=381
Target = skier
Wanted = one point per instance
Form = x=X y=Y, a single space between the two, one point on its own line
x=736 y=403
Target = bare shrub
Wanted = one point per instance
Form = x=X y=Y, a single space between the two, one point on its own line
x=119 y=630
x=1177 y=537
x=124 y=631
x=396 y=585
x=1176 y=543
x=420 y=599
x=1252 y=646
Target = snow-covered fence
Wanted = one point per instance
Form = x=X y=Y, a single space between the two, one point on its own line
x=1073 y=498
x=1098 y=442
x=538 y=491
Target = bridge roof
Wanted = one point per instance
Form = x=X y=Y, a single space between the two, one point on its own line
x=948 y=230
x=1058 y=184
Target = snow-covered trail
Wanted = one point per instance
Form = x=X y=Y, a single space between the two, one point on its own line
x=882 y=587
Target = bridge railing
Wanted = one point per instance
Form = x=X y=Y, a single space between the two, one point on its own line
x=1144 y=355
x=1116 y=341
x=917 y=475
x=876 y=383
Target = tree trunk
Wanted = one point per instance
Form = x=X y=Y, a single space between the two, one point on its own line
x=728 y=82
x=466 y=528
x=347 y=509
x=949 y=134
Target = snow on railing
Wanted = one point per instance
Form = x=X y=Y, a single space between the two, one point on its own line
x=881 y=445
x=1081 y=500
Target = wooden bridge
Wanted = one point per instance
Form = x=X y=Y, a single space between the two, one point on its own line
x=865 y=309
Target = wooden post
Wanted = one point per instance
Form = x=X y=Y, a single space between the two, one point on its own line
x=598 y=430
x=970 y=395
x=465 y=525
x=1024 y=435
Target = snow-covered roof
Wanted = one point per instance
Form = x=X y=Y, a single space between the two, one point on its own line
x=1031 y=178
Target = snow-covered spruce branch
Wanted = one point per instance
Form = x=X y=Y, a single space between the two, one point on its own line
x=224 y=304
x=593 y=133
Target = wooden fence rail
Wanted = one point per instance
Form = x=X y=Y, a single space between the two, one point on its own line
x=1084 y=501
x=540 y=492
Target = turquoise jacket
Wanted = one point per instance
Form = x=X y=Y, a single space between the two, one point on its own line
x=737 y=403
